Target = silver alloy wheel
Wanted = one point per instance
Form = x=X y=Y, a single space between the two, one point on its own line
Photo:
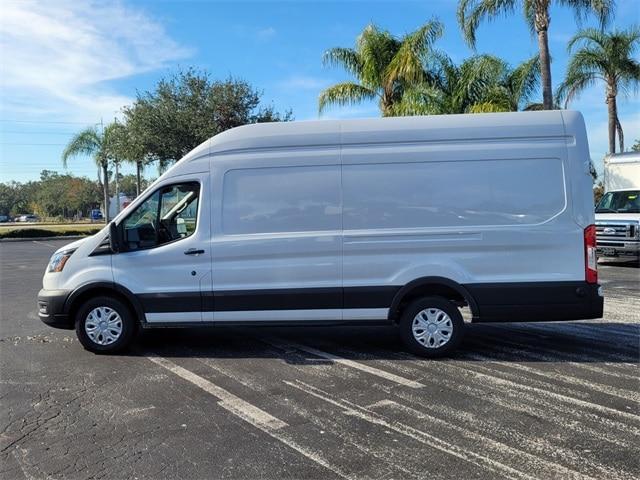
x=432 y=328
x=103 y=325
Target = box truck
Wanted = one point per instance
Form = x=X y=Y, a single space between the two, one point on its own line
x=398 y=221
x=618 y=212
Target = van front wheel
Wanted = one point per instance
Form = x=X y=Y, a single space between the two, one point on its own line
x=105 y=325
x=431 y=327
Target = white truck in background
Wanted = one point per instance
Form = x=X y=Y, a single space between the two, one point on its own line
x=618 y=213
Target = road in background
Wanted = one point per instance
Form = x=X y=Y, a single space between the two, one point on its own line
x=545 y=400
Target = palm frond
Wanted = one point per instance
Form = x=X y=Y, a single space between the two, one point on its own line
x=346 y=58
x=88 y=142
x=602 y=9
x=472 y=12
x=376 y=48
x=408 y=63
x=346 y=93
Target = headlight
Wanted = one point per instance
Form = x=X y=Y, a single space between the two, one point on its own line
x=59 y=260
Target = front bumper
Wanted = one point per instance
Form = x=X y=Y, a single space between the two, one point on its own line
x=606 y=248
x=51 y=308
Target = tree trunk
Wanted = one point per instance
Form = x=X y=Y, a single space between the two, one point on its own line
x=117 y=188
x=541 y=24
x=620 y=134
x=545 y=70
x=138 y=177
x=613 y=115
x=105 y=190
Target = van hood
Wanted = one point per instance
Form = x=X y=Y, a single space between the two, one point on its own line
x=617 y=216
x=72 y=245
x=89 y=242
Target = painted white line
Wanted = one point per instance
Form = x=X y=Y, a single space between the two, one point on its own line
x=245 y=410
x=423 y=437
x=517 y=455
x=623 y=394
x=44 y=243
x=251 y=414
x=392 y=377
x=546 y=393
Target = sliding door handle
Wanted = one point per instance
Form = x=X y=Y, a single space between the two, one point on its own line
x=193 y=251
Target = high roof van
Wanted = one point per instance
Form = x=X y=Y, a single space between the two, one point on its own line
x=399 y=221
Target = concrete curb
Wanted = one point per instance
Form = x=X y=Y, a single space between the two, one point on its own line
x=27 y=239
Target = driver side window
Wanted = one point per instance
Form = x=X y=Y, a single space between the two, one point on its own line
x=169 y=214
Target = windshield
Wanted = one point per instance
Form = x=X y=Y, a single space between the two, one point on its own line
x=620 y=202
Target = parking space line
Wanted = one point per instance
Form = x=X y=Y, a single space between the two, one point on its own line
x=488 y=443
x=283 y=345
x=491 y=377
x=44 y=243
x=423 y=437
x=228 y=401
x=249 y=413
x=629 y=395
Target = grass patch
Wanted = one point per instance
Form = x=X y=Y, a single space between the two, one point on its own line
x=48 y=231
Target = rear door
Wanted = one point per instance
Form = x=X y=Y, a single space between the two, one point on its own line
x=167 y=264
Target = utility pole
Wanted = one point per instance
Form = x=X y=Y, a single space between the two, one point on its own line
x=116 y=161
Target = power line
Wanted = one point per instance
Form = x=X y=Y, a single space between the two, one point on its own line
x=35 y=132
x=7 y=120
x=35 y=144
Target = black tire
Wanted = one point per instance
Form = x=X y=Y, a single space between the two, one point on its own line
x=128 y=322
x=456 y=327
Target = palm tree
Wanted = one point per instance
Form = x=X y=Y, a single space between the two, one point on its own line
x=482 y=83
x=92 y=142
x=536 y=12
x=124 y=147
x=382 y=64
x=606 y=57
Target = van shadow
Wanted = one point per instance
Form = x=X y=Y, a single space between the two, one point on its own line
x=557 y=342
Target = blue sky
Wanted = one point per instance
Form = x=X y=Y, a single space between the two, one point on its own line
x=67 y=64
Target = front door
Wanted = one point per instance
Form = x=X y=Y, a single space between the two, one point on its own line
x=166 y=259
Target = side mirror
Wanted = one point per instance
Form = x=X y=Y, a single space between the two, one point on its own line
x=114 y=237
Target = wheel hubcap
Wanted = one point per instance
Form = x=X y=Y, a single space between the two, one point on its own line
x=103 y=325
x=432 y=328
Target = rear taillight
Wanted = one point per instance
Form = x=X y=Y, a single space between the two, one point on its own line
x=590 y=258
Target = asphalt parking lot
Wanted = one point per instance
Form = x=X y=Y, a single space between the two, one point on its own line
x=543 y=400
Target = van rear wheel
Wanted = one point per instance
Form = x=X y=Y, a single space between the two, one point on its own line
x=105 y=325
x=431 y=327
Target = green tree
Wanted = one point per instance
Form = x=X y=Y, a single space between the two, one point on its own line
x=482 y=83
x=383 y=66
x=188 y=108
x=536 y=12
x=16 y=197
x=98 y=144
x=608 y=58
x=636 y=146
x=131 y=184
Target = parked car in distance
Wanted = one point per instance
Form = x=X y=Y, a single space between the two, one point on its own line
x=397 y=221
x=4 y=219
x=26 y=218
x=96 y=215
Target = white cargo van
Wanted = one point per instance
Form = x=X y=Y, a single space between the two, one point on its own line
x=618 y=213
x=391 y=220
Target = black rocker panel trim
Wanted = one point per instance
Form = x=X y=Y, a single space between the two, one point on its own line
x=490 y=302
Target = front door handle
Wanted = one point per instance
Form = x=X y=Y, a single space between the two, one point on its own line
x=193 y=251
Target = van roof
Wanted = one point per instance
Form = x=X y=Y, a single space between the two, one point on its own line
x=434 y=128
x=627 y=157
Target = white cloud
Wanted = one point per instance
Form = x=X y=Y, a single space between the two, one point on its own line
x=57 y=57
x=266 y=33
x=304 y=82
